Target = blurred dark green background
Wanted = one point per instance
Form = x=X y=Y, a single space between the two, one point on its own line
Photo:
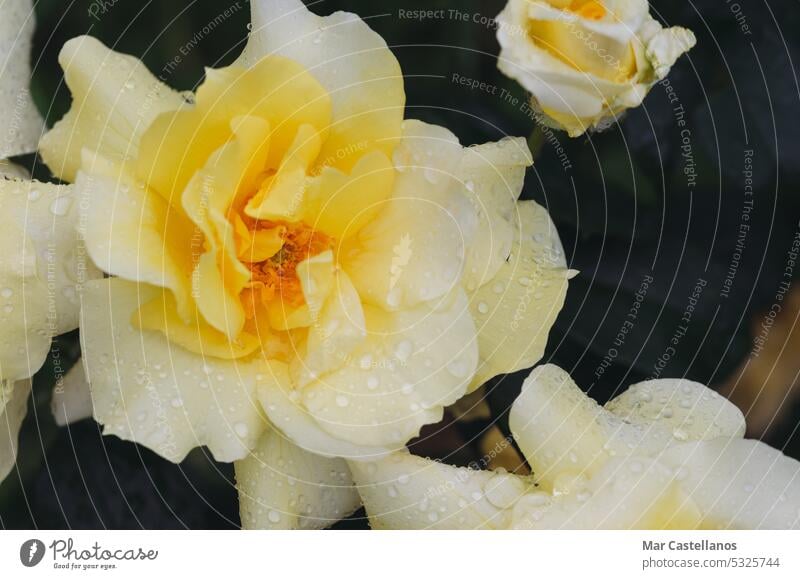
x=623 y=206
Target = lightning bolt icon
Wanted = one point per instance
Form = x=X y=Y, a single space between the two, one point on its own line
x=34 y=548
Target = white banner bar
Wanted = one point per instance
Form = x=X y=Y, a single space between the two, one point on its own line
x=353 y=554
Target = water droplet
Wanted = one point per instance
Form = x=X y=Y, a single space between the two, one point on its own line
x=6 y=292
x=372 y=382
x=431 y=175
x=393 y=298
x=680 y=434
x=403 y=350
x=60 y=206
x=241 y=429
x=483 y=307
x=403 y=479
x=34 y=194
x=458 y=368
x=274 y=516
x=503 y=490
x=342 y=401
x=525 y=281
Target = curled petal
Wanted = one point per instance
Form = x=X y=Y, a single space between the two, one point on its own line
x=114 y=100
x=72 y=397
x=282 y=486
x=515 y=311
x=155 y=393
x=403 y=491
x=689 y=409
x=410 y=366
x=13 y=408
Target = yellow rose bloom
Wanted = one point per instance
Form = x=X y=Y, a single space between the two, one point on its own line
x=665 y=454
x=586 y=61
x=299 y=276
x=41 y=264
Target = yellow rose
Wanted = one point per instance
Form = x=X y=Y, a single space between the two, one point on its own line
x=586 y=61
x=299 y=275
x=666 y=454
x=41 y=265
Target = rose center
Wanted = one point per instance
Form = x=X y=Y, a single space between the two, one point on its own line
x=272 y=252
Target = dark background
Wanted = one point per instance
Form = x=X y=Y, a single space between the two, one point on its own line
x=625 y=209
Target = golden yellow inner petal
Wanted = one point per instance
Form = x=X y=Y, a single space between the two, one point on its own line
x=252 y=163
x=591 y=10
x=583 y=49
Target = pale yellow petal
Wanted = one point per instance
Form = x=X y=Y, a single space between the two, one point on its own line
x=40 y=271
x=739 y=484
x=22 y=124
x=627 y=493
x=564 y=433
x=414 y=250
x=133 y=233
x=9 y=170
x=72 y=396
x=285 y=410
x=157 y=394
x=492 y=175
x=48 y=216
x=692 y=411
x=13 y=408
x=282 y=486
x=515 y=310
x=410 y=366
x=25 y=329
x=336 y=331
x=350 y=60
x=403 y=491
x=114 y=100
